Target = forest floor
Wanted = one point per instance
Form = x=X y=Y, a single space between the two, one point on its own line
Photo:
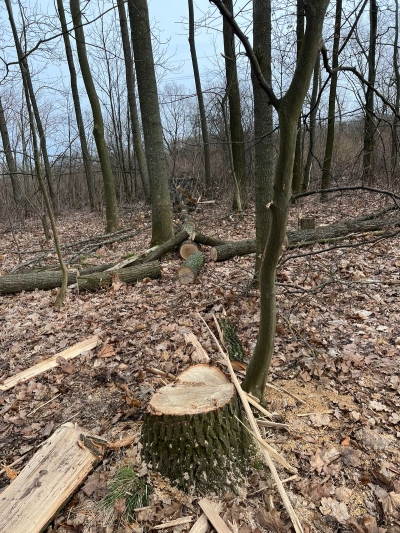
x=337 y=349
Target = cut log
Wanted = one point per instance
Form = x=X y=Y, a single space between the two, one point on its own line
x=169 y=245
x=233 y=249
x=207 y=240
x=307 y=223
x=129 y=275
x=187 y=249
x=47 y=482
x=12 y=283
x=49 y=363
x=189 y=270
x=191 y=434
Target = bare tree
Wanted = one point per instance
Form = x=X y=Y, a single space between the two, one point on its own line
x=77 y=106
x=98 y=128
x=200 y=99
x=11 y=164
x=235 y=112
x=288 y=108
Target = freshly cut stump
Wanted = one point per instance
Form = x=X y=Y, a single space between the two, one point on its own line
x=189 y=270
x=187 y=249
x=191 y=435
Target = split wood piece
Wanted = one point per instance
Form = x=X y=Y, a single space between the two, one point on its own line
x=128 y=275
x=187 y=249
x=232 y=249
x=295 y=521
x=191 y=435
x=209 y=510
x=255 y=403
x=189 y=270
x=48 y=480
x=176 y=522
x=201 y=524
x=49 y=363
x=201 y=354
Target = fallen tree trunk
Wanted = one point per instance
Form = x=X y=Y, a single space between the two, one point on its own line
x=128 y=275
x=13 y=283
x=300 y=238
x=191 y=426
x=189 y=270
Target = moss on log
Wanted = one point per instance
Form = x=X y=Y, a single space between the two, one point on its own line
x=189 y=270
x=191 y=434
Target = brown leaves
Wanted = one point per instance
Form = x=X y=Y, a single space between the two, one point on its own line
x=271 y=520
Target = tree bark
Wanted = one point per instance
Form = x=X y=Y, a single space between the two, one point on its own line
x=312 y=127
x=191 y=427
x=235 y=113
x=162 y=220
x=189 y=270
x=200 y=99
x=263 y=127
x=130 y=83
x=98 y=128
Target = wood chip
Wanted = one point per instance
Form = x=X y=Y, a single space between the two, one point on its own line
x=209 y=510
x=49 y=363
x=177 y=522
x=201 y=524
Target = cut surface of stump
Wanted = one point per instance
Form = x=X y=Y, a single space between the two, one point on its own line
x=191 y=434
x=189 y=270
x=187 y=249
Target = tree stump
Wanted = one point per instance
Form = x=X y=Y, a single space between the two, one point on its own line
x=189 y=270
x=191 y=434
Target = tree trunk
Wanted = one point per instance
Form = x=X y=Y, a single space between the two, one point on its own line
x=330 y=136
x=12 y=167
x=189 y=270
x=370 y=126
x=235 y=113
x=191 y=435
x=263 y=127
x=130 y=83
x=162 y=220
x=202 y=111
x=45 y=280
x=77 y=106
x=313 y=121
x=396 y=120
x=98 y=128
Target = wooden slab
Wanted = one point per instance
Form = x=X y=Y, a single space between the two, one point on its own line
x=49 y=479
x=49 y=363
x=210 y=511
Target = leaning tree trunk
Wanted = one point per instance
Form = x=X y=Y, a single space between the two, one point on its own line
x=98 y=128
x=191 y=433
x=12 y=167
x=370 y=126
x=313 y=121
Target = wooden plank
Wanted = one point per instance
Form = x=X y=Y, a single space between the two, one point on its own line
x=216 y=521
x=49 y=363
x=201 y=524
x=177 y=522
x=45 y=484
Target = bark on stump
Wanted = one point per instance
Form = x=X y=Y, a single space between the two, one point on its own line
x=191 y=434
x=189 y=270
x=187 y=249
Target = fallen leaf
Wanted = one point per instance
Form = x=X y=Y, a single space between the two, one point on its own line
x=10 y=472
x=106 y=351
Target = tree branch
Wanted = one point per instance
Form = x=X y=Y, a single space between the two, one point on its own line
x=273 y=100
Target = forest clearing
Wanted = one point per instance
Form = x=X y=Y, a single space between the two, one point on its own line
x=336 y=361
